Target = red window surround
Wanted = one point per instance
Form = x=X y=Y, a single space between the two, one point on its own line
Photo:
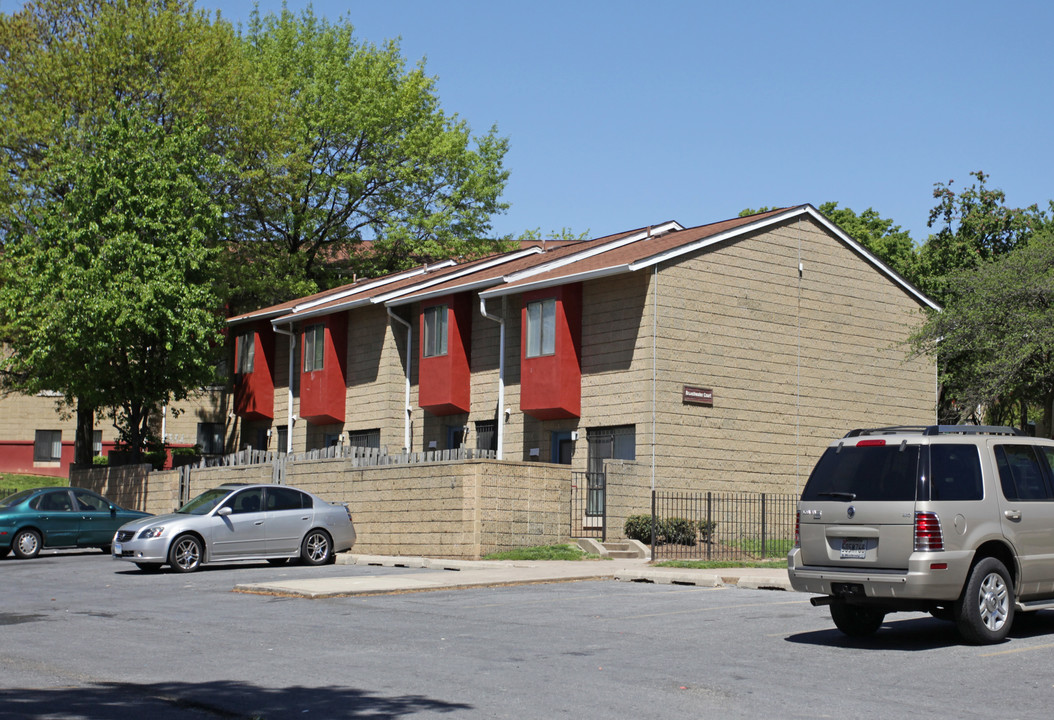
x=254 y=391
x=551 y=385
x=323 y=392
x=445 y=386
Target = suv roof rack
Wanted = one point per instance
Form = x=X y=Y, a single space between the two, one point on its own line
x=937 y=430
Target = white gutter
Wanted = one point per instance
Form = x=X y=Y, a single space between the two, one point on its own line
x=409 y=355
x=292 y=357
x=652 y=232
x=552 y=282
x=381 y=282
x=448 y=277
x=501 y=371
x=467 y=287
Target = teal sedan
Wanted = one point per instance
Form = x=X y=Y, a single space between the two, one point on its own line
x=57 y=517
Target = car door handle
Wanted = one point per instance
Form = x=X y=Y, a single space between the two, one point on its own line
x=258 y=522
x=1012 y=514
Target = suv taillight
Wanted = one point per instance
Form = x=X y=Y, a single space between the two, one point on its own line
x=928 y=534
x=797 y=529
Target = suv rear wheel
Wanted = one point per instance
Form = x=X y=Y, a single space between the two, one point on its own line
x=856 y=620
x=985 y=611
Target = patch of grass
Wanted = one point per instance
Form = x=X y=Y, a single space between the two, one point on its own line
x=773 y=548
x=543 y=552
x=718 y=564
x=11 y=482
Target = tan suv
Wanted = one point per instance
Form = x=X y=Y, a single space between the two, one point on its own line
x=954 y=520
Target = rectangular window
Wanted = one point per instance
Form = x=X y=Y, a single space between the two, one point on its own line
x=435 y=330
x=1020 y=473
x=96 y=442
x=210 y=438
x=246 y=346
x=47 y=446
x=283 y=438
x=541 y=328
x=314 y=347
x=364 y=438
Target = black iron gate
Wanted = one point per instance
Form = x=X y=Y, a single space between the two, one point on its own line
x=588 y=505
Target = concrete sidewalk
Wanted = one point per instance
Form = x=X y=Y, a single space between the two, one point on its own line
x=438 y=574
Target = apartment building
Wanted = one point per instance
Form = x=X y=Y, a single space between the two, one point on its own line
x=724 y=356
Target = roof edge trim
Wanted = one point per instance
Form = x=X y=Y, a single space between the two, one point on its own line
x=553 y=282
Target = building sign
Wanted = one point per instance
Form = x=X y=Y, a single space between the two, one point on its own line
x=698 y=396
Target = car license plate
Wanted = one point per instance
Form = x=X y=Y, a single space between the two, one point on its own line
x=853 y=549
x=117 y=549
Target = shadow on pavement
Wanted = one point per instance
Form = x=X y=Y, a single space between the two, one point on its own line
x=923 y=633
x=224 y=699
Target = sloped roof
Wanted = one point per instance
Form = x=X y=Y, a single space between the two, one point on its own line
x=638 y=255
x=538 y=266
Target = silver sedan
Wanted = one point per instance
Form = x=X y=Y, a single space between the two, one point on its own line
x=239 y=522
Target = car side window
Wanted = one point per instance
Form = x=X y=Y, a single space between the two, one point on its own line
x=280 y=498
x=91 y=501
x=955 y=472
x=1021 y=475
x=247 y=501
x=58 y=501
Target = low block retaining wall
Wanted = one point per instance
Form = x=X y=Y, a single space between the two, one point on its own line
x=461 y=509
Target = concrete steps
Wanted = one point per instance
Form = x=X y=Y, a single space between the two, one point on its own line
x=616 y=549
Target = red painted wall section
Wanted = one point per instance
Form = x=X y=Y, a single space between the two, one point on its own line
x=323 y=392
x=254 y=391
x=16 y=456
x=551 y=385
x=445 y=386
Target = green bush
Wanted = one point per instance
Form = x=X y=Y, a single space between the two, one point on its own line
x=638 y=527
x=706 y=530
x=669 y=531
x=100 y=460
x=679 y=531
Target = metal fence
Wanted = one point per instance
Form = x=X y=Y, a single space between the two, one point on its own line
x=588 y=505
x=722 y=526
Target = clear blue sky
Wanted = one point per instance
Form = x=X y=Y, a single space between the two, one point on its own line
x=626 y=114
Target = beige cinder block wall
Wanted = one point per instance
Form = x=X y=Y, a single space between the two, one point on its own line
x=460 y=509
x=793 y=359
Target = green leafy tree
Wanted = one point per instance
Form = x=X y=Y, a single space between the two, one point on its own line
x=361 y=170
x=107 y=294
x=995 y=336
x=65 y=63
x=974 y=226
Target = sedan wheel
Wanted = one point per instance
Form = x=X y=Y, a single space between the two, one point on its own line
x=185 y=555
x=317 y=548
x=26 y=544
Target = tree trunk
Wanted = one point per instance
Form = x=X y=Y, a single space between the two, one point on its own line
x=83 y=439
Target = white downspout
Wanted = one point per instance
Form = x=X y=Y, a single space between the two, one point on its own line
x=292 y=366
x=501 y=371
x=409 y=355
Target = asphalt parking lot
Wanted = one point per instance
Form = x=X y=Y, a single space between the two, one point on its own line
x=86 y=637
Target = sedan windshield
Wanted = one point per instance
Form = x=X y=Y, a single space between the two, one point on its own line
x=203 y=504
